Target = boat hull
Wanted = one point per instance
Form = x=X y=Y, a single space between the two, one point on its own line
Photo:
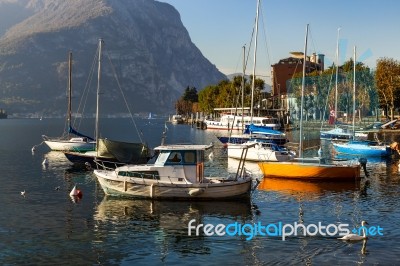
x=66 y=145
x=279 y=140
x=363 y=150
x=310 y=171
x=258 y=154
x=336 y=134
x=119 y=186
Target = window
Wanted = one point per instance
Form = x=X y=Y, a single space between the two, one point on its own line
x=175 y=157
x=190 y=157
x=146 y=175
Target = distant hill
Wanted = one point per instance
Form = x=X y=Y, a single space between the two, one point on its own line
x=150 y=50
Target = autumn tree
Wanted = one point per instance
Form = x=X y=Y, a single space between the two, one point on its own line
x=387 y=79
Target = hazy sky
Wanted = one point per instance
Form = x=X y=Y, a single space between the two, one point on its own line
x=219 y=28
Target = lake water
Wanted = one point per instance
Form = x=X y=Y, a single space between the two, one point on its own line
x=47 y=228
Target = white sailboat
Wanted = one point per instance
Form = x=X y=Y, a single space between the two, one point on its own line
x=71 y=140
x=107 y=151
x=336 y=133
x=362 y=147
x=309 y=169
x=264 y=147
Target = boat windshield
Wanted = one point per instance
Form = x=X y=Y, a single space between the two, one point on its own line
x=176 y=157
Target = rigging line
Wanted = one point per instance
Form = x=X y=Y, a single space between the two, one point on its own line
x=313 y=44
x=85 y=93
x=327 y=96
x=265 y=35
x=237 y=63
x=251 y=42
x=123 y=96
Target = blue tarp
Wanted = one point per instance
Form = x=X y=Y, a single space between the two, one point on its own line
x=73 y=131
x=253 y=129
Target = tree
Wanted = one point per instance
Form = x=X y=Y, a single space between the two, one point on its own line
x=387 y=79
x=185 y=105
x=228 y=94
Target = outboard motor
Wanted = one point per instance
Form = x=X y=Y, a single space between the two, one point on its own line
x=363 y=163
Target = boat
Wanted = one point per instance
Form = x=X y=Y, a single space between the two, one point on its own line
x=178 y=173
x=109 y=152
x=256 y=132
x=236 y=122
x=260 y=150
x=337 y=133
x=311 y=169
x=71 y=140
x=362 y=147
x=262 y=131
x=177 y=119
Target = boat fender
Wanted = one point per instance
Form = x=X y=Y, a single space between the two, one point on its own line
x=196 y=191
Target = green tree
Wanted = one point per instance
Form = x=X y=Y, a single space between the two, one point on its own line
x=186 y=104
x=228 y=94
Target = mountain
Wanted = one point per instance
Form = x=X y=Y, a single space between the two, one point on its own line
x=146 y=47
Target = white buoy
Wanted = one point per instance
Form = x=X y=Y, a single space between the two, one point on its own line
x=73 y=192
x=23 y=193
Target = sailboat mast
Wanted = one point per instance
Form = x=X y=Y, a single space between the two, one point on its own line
x=303 y=82
x=243 y=84
x=337 y=71
x=69 y=90
x=98 y=94
x=354 y=92
x=254 y=65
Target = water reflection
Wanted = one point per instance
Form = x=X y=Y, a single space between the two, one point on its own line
x=305 y=190
x=125 y=223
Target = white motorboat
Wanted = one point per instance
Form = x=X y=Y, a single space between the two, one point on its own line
x=259 y=151
x=178 y=173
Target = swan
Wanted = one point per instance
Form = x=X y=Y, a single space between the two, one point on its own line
x=355 y=237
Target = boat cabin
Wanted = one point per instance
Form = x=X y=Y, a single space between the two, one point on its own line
x=189 y=158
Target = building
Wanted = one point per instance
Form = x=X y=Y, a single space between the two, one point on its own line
x=283 y=71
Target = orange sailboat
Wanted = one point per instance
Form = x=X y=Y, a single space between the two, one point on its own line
x=309 y=169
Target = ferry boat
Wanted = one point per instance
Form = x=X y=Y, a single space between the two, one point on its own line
x=237 y=122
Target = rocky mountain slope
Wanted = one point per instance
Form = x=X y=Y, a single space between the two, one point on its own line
x=146 y=47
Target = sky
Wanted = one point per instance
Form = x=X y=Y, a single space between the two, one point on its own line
x=220 y=28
